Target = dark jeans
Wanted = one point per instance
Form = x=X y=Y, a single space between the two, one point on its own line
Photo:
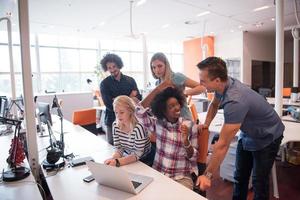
x=260 y=163
x=109 y=135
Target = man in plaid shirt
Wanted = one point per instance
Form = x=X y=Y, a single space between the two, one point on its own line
x=176 y=138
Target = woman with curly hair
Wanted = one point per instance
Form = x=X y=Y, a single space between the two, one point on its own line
x=176 y=137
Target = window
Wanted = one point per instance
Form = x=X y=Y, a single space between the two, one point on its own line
x=66 y=62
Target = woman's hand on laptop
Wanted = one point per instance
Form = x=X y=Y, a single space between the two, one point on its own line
x=111 y=162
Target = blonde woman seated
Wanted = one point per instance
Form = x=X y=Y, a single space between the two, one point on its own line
x=130 y=139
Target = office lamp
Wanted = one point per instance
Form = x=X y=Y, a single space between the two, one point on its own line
x=16 y=154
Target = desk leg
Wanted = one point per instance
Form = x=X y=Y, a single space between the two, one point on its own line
x=274 y=180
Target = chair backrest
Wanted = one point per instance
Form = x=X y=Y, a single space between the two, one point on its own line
x=286 y=92
x=210 y=96
x=203 y=146
x=84 y=116
x=194 y=112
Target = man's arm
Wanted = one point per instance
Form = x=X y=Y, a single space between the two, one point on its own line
x=227 y=133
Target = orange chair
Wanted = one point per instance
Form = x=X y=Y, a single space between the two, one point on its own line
x=203 y=137
x=203 y=146
x=286 y=92
x=84 y=116
x=194 y=112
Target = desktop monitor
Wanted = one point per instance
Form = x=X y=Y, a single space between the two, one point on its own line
x=44 y=112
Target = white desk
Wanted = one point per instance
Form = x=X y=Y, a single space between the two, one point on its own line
x=68 y=184
x=285 y=102
x=291 y=132
x=23 y=189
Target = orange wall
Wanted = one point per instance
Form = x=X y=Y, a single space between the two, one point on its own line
x=192 y=55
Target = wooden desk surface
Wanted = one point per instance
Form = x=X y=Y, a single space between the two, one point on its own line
x=68 y=183
x=23 y=189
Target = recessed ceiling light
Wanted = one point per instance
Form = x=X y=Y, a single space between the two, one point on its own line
x=261 y=8
x=273 y=19
x=165 y=26
x=240 y=26
x=140 y=2
x=203 y=13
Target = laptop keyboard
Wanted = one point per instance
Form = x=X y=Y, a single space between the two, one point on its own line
x=135 y=184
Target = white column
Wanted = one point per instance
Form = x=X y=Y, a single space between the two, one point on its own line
x=38 y=64
x=11 y=60
x=145 y=61
x=279 y=56
x=296 y=59
x=12 y=71
x=278 y=75
x=27 y=87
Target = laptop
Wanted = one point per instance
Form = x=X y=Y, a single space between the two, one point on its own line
x=118 y=178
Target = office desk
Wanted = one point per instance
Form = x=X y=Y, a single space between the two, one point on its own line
x=68 y=183
x=285 y=102
x=23 y=189
x=290 y=133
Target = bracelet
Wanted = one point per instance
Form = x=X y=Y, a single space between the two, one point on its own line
x=188 y=146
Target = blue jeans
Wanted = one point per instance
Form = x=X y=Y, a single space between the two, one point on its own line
x=260 y=163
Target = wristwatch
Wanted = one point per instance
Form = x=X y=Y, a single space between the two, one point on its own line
x=208 y=175
x=117 y=162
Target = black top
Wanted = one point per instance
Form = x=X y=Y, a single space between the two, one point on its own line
x=111 y=88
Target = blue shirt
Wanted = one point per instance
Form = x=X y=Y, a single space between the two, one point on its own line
x=179 y=81
x=111 y=88
x=260 y=124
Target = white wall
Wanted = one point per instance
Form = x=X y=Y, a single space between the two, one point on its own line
x=256 y=47
x=229 y=45
x=71 y=102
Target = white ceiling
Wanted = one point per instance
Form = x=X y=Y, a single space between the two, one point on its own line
x=83 y=17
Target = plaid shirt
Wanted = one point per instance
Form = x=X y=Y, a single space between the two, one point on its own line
x=171 y=156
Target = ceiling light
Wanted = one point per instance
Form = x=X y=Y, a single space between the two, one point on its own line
x=101 y=23
x=165 y=26
x=259 y=24
x=261 y=8
x=140 y=2
x=240 y=26
x=273 y=19
x=203 y=13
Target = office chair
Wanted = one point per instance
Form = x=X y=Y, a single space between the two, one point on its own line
x=85 y=118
